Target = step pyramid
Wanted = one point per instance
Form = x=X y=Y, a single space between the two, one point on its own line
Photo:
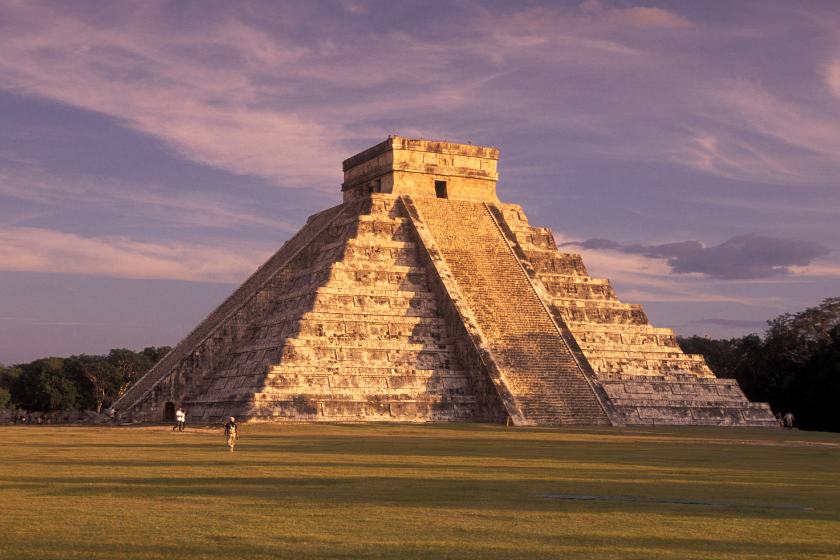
x=423 y=298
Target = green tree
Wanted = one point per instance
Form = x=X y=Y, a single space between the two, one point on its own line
x=156 y=354
x=814 y=389
x=793 y=337
x=8 y=377
x=130 y=366
x=96 y=379
x=789 y=344
x=721 y=355
x=43 y=386
x=743 y=359
x=794 y=368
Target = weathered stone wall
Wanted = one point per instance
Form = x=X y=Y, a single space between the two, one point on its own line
x=684 y=400
x=406 y=166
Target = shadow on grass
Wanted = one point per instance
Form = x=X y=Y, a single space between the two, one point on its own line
x=347 y=491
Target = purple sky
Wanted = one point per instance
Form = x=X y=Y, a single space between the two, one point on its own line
x=154 y=153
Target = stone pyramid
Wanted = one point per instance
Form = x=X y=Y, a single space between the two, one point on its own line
x=423 y=298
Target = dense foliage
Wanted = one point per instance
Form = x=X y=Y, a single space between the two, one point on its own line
x=83 y=382
x=795 y=367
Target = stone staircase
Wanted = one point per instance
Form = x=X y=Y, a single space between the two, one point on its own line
x=536 y=365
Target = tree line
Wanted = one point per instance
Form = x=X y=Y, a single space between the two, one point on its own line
x=83 y=382
x=795 y=367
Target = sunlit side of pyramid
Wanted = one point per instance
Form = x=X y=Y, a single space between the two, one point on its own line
x=423 y=298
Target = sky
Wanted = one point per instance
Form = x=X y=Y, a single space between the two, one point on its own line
x=154 y=153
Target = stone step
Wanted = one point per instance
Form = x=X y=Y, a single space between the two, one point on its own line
x=572 y=305
x=372 y=369
x=361 y=318
x=353 y=270
x=681 y=403
x=354 y=289
x=339 y=305
x=368 y=344
x=556 y=277
x=394 y=343
x=669 y=379
x=629 y=352
x=326 y=355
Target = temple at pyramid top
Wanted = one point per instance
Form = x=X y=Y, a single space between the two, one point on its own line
x=404 y=166
x=422 y=297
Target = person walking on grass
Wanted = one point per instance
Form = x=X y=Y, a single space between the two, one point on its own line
x=789 y=420
x=231 y=432
x=180 y=416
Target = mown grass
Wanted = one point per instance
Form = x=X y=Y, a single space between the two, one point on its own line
x=415 y=491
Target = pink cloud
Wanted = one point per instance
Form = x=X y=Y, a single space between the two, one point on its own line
x=227 y=93
x=42 y=250
x=832 y=77
x=636 y=16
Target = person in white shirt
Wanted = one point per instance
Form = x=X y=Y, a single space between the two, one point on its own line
x=180 y=417
x=231 y=433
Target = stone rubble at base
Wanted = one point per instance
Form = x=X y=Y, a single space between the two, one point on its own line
x=423 y=298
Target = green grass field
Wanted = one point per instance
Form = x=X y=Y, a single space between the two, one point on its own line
x=415 y=491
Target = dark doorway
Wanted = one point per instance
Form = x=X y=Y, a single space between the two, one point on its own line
x=440 y=189
x=169 y=411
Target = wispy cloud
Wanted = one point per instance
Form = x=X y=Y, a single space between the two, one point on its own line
x=143 y=202
x=42 y=250
x=240 y=93
x=786 y=207
x=196 y=89
x=831 y=71
x=636 y=16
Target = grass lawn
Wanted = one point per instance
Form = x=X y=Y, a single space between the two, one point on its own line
x=415 y=491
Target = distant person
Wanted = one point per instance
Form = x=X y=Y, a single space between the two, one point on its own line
x=113 y=414
x=779 y=420
x=179 y=420
x=789 y=420
x=231 y=432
